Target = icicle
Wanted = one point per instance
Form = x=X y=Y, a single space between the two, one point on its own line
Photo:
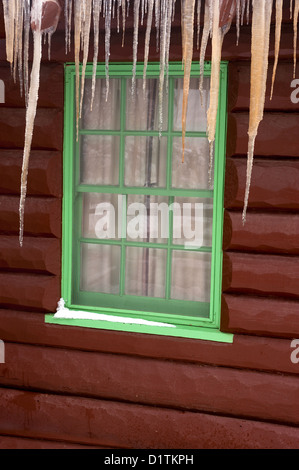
x=243 y=7
x=238 y=15
x=26 y=48
x=97 y=6
x=278 y=21
x=295 y=21
x=166 y=16
x=157 y=21
x=188 y=28
x=135 y=42
x=9 y=9
x=218 y=34
x=108 y=12
x=203 y=47
x=123 y=8
x=86 y=35
x=198 y=23
x=248 y=11
x=261 y=21
x=31 y=108
x=68 y=7
x=147 y=37
x=77 y=40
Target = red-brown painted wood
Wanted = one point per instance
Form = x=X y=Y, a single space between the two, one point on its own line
x=265 y=274
x=274 y=184
x=260 y=316
x=44 y=176
x=38 y=255
x=15 y=443
x=45 y=136
x=29 y=291
x=90 y=421
x=277 y=135
x=42 y=216
x=152 y=382
x=263 y=232
x=239 y=87
x=247 y=352
x=50 y=91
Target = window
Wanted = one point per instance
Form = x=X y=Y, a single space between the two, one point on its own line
x=142 y=230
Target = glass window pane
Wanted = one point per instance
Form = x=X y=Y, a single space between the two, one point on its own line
x=145 y=271
x=147 y=218
x=105 y=114
x=191 y=276
x=101 y=213
x=193 y=173
x=99 y=160
x=145 y=161
x=100 y=268
x=143 y=106
x=196 y=119
x=193 y=221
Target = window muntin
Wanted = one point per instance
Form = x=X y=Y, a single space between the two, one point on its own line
x=157 y=285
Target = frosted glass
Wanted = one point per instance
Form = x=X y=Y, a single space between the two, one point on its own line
x=105 y=115
x=145 y=161
x=100 y=268
x=100 y=215
x=99 y=160
x=145 y=271
x=196 y=120
x=143 y=106
x=152 y=212
x=194 y=226
x=191 y=276
x=193 y=173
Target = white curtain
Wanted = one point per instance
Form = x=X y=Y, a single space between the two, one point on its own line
x=145 y=166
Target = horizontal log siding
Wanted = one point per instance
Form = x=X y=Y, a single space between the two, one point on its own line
x=71 y=387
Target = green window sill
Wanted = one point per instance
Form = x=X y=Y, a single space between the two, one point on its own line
x=181 y=331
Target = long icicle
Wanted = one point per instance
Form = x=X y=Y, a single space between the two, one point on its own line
x=295 y=21
x=188 y=25
x=203 y=46
x=218 y=34
x=261 y=21
x=97 y=4
x=147 y=38
x=278 y=21
x=86 y=35
x=31 y=109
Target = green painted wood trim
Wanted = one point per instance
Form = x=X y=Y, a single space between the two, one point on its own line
x=204 y=328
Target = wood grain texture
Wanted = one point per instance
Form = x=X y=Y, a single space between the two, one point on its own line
x=42 y=216
x=218 y=390
x=47 y=128
x=274 y=275
x=260 y=316
x=44 y=177
x=274 y=184
x=38 y=292
x=38 y=255
x=263 y=232
x=91 y=421
x=246 y=352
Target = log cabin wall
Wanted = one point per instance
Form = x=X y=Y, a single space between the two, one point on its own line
x=71 y=387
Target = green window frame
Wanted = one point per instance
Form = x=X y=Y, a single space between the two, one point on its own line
x=167 y=316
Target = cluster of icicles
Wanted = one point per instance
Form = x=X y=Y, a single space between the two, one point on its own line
x=82 y=16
